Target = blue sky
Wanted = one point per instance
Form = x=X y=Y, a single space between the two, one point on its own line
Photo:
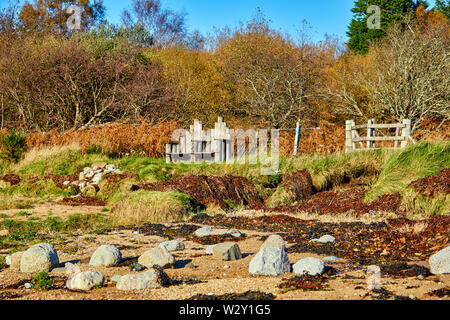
x=325 y=16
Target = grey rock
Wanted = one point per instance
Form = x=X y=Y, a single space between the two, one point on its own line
x=270 y=262
x=97 y=178
x=274 y=241
x=147 y=280
x=325 y=239
x=159 y=256
x=204 y=232
x=309 y=266
x=8 y=260
x=39 y=258
x=106 y=256
x=210 y=249
x=15 y=261
x=331 y=259
x=111 y=167
x=440 y=262
x=137 y=267
x=228 y=251
x=116 y=278
x=28 y=285
x=85 y=280
x=173 y=245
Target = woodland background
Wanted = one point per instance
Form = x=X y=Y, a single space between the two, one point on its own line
x=124 y=88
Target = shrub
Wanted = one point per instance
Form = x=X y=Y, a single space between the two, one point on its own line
x=42 y=282
x=13 y=145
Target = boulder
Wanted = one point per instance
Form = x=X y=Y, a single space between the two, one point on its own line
x=147 y=280
x=173 y=245
x=39 y=258
x=85 y=281
x=228 y=251
x=210 y=250
x=106 y=256
x=274 y=241
x=111 y=168
x=440 y=262
x=15 y=259
x=204 y=232
x=270 y=262
x=309 y=266
x=158 y=256
x=97 y=178
x=99 y=165
x=325 y=239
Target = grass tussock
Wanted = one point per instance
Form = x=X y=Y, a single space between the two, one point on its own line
x=141 y=207
x=336 y=169
x=405 y=166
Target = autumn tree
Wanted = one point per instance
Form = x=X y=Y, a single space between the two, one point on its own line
x=83 y=86
x=198 y=83
x=443 y=6
x=407 y=76
x=270 y=75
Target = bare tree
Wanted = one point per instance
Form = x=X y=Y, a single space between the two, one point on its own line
x=407 y=76
x=166 y=26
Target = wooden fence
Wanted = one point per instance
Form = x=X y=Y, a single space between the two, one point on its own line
x=353 y=139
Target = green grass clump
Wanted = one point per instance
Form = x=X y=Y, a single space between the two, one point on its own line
x=42 y=282
x=36 y=230
x=413 y=163
x=336 y=169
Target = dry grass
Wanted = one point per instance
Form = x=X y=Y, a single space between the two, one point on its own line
x=142 y=207
x=115 y=138
x=37 y=154
x=417 y=228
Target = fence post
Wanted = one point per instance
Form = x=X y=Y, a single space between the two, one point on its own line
x=298 y=134
x=168 y=153
x=348 y=136
x=406 y=132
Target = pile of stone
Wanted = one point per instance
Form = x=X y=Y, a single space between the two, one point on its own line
x=90 y=177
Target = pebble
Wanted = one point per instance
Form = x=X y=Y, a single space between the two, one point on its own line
x=28 y=285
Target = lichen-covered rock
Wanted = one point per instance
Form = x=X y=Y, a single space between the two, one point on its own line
x=158 y=256
x=173 y=245
x=228 y=251
x=39 y=258
x=85 y=280
x=106 y=256
x=309 y=266
x=274 y=241
x=15 y=259
x=151 y=279
x=204 y=232
x=325 y=239
x=210 y=250
x=440 y=262
x=270 y=262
